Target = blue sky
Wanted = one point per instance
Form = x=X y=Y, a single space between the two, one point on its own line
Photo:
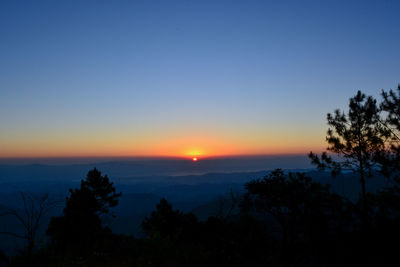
x=135 y=77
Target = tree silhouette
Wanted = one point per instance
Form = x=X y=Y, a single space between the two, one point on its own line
x=390 y=160
x=357 y=138
x=103 y=191
x=30 y=217
x=387 y=200
x=80 y=225
x=292 y=199
x=305 y=210
x=165 y=222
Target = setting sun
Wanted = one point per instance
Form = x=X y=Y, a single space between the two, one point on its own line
x=194 y=159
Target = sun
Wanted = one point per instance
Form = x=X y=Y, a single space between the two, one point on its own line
x=194 y=159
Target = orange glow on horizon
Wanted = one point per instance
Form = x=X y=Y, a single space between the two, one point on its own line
x=182 y=145
x=180 y=153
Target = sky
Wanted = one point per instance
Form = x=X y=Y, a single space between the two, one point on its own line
x=186 y=78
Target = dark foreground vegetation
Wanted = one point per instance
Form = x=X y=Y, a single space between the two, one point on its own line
x=283 y=219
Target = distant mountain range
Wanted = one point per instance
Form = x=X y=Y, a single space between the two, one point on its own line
x=119 y=168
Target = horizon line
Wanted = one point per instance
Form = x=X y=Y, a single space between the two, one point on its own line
x=152 y=157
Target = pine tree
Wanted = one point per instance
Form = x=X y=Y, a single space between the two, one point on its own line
x=80 y=225
x=390 y=160
x=356 y=138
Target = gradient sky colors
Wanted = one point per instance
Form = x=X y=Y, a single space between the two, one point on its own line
x=186 y=78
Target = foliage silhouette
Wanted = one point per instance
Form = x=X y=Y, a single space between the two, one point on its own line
x=80 y=226
x=357 y=138
x=165 y=221
x=179 y=239
x=316 y=228
x=390 y=159
x=306 y=211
